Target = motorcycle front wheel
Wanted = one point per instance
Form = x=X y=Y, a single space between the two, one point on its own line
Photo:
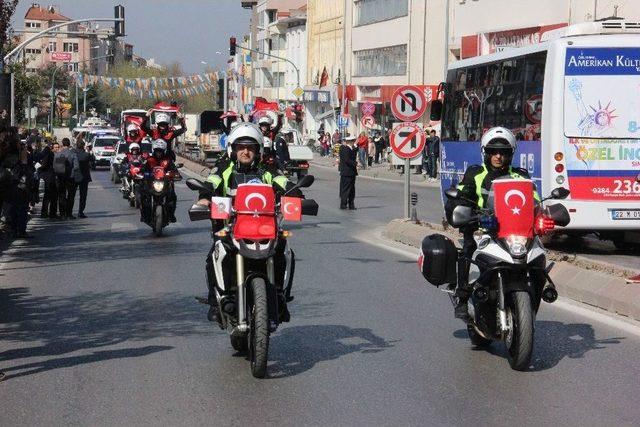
x=158 y=221
x=519 y=340
x=259 y=329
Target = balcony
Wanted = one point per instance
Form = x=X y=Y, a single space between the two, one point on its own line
x=248 y=4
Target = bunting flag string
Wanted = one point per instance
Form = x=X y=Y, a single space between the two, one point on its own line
x=154 y=87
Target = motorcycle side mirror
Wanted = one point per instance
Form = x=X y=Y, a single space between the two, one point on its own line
x=196 y=185
x=560 y=193
x=462 y=215
x=452 y=193
x=559 y=214
x=309 y=207
x=179 y=165
x=306 y=181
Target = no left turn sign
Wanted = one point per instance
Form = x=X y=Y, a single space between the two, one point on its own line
x=407 y=140
x=408 y=103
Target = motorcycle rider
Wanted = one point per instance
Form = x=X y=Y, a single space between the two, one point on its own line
x=498 y=146
x=134 y=155
x=134 y=134
x=164 y=130
x=245 y=145
x=159 y=157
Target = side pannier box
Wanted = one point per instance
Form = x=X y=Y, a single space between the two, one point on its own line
x=438 y=260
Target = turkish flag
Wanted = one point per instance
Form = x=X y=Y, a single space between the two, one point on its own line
x=262 y=104
x=514 y=206
x=255 y=205
x=220 y=207
x=291 y=208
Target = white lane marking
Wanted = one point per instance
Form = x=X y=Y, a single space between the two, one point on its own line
x=612 y=320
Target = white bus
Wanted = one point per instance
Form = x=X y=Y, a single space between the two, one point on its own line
x=573 y=102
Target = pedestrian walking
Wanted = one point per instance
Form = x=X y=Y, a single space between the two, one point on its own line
x=433 y=154
x=348 y=168
x=82 y=175
x=371 y=152
x=15 y=181
x=50 y=199
x=62 y=167
x=363 y=148
x=379 y=144
x=327 y=144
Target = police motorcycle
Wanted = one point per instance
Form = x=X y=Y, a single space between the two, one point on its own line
x=514 y=274
x=245 y=265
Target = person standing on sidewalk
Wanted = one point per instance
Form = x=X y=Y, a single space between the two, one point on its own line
x=371 y=151
x=50 y=199
x=62 y=166
x=348 y=169
x=363 y=148
x=82 y=175
x=433 y=153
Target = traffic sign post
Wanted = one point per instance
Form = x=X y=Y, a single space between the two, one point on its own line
x=408 y=103
x=407 y=141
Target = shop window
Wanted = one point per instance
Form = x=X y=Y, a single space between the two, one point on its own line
x=370 y=11
x=386 y=61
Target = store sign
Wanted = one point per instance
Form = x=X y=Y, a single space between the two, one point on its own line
x=61 y=57
x=499 y=41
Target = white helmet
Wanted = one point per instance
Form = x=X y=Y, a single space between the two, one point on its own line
x=159 y=144
x=498 y=137
x=265 y=120
x=245 y=133
x=133 y=146
x=162 y=118
x=132 y=127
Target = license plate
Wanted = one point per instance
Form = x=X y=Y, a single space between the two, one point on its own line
x=625 y=214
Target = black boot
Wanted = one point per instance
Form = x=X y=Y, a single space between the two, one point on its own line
x=463 y=291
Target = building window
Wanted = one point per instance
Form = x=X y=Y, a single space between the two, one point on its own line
x=278 y=42
x=271 y=16
x=274 y=80
x=33 y=51
x=70 y=47
x=53 y=47
x=72 y=66
x=32 y=24
x=385 y=61
x=370 y=11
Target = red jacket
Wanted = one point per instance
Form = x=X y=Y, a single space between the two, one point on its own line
x=363 y=142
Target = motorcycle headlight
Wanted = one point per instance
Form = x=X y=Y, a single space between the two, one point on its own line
x=158 y=186
x=517 y=245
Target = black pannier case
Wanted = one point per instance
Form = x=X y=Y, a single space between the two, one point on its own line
x=438 y=260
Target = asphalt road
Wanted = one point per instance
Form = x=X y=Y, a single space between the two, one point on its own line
x=99 y=326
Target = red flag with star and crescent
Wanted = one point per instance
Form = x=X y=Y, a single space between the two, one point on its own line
x=291 y=208
x=514 y=207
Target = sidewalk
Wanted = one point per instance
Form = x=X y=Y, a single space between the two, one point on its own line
x=577 y=277
x=380 y=172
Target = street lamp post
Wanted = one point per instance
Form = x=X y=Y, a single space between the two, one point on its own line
x=53 y=95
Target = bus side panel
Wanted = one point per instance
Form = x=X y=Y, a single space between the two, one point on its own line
x=456 y=157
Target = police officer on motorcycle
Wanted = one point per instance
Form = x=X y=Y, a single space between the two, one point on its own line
x=159 y=158
x=244 y=166
x=498 y=146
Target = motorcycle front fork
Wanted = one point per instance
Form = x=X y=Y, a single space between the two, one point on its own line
x=242 y=289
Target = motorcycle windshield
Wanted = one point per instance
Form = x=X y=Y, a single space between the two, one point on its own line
x=255 y=206
x=513 y=206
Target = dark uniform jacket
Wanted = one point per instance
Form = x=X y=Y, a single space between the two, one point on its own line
x=347 y=165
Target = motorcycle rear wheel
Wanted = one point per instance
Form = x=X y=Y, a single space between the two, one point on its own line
x=477 y=339
x=259 y=329
x=239 y=344
x=158 y=221
x=520 y=341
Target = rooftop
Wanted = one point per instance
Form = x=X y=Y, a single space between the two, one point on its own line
x=38 y=13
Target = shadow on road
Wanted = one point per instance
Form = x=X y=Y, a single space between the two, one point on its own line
x=554 y=341
x=67 y=362
x=61 y=325
x=298 y=349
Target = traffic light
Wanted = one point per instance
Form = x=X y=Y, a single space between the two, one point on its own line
x=118 y=27
x=232 y=46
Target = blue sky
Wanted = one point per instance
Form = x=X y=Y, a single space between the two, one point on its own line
x=186 y=31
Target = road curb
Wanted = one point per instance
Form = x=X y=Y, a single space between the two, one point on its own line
x=581 y=279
